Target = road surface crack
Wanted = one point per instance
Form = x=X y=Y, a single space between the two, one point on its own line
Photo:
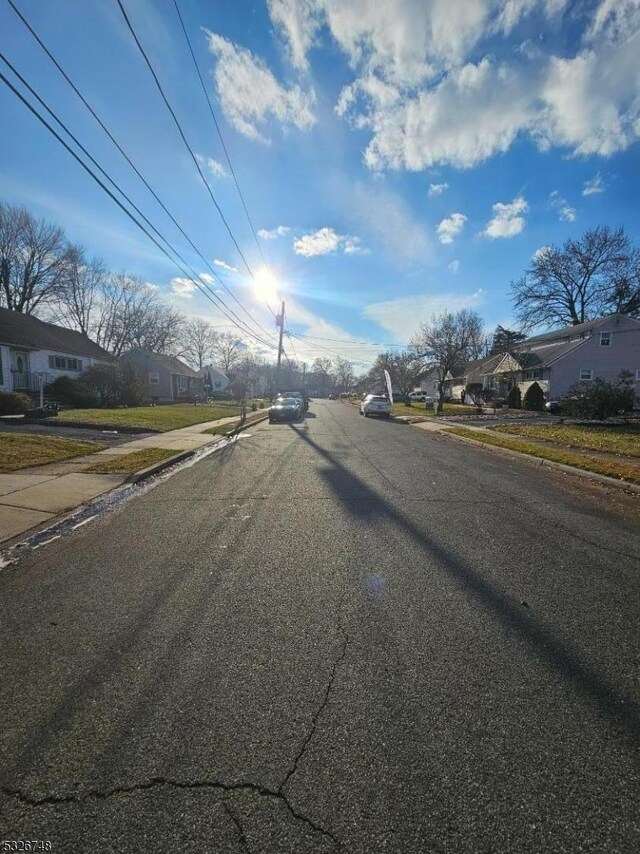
x=156 y=782
x=323 y=703
x=234 y=818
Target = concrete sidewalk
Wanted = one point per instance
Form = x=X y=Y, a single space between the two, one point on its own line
x=33 y=496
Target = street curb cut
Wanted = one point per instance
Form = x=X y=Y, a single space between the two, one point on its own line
x=137 y=476
x=589 y=475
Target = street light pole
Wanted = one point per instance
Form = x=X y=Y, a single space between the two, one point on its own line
x=280 y=323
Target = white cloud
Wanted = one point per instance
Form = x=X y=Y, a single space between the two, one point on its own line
x=215 y=168
x=507 y=221
x=593 y=185
x=218 y=263
x=403 y=316
x=454 y=266
x=450 y=227
x=436 y=87
x=437 y=189
x=540 y=252
x=278 y=231
x=325 y=241
x=250 y=94
x=565 y=212
x=182 y=287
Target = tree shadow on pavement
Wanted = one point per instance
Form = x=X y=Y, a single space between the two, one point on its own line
x=618 y=709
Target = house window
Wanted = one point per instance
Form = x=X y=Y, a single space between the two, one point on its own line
x=605 y=339
x=65 y=363
x=533 y=375
x=154 y=379
x=183 y=382
x=586 y=373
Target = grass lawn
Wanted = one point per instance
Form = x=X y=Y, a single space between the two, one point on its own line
x=611 y=468
x=20 y=450
x=130 y=463
x=419 y=409
x=160 y=418
x=616 y=439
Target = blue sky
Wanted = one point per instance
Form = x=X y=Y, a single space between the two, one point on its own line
x=397 y=158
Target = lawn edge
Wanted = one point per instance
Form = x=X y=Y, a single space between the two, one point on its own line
x=142 y=474
x=541 y=461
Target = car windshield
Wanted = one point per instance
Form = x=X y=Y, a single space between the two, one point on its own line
x=286 y=401
x=377 y=397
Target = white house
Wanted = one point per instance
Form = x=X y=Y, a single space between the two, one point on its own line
x=33 y=352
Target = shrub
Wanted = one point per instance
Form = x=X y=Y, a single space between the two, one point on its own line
x=131 y=386
x=72 y=392
x=599 y=400
x=105 y=382
x=534 y=398
x=514 y=398
x=14 y=403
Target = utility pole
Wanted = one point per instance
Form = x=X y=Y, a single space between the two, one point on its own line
x=280 y=323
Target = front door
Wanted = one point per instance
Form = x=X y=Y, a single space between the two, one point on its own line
x=20 y=368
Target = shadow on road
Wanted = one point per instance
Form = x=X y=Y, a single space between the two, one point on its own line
x=360 y=500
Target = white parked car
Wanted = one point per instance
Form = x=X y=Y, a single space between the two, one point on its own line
x=375 y=404
x=417 y=395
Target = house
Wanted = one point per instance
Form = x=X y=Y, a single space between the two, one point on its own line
x=558 y=360
x=214 y=380
x=34 y=353
x=165 y=379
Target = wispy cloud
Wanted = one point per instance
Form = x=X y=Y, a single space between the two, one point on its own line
x=218 y=263
x=565 y=212
x=212 y=166
x=272 y=234
x=507 y=220
x=437 y=189
x=593 y=185
x=454 y=266
x=450 y=227
x=403 y=316
x=250 y=95
x=182 y=287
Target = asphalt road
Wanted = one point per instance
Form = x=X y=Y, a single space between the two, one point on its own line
x=341 y=635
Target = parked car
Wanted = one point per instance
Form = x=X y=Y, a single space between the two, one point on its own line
x=375 y=404
x=417 y=395
x=298 y=395
x=285 y=409
x=553 y=406
x=332 y=397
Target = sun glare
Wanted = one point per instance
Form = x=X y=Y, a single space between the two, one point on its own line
x=266 y=285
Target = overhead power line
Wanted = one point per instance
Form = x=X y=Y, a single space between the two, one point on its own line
x=115 y=142
x=202 y=286
x=333 y=352
x=182 y=134
x=215 y=121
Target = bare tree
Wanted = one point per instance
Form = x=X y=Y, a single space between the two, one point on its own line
x=131 y=314
x=198 y=341
x=34 y=260
x=344 y=374
x=227 y=350
x=447 y=342
x=585 y=278
x=405 y=369
x=80 y=292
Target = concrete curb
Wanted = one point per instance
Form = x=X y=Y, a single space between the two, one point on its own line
x=143 y=474
x=246 y=426
x=540 y=461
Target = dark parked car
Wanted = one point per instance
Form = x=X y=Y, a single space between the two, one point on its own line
x=285 y=409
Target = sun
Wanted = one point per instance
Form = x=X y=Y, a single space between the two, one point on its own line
x=266 y=285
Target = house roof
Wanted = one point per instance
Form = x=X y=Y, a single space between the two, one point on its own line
x=575 y=331
x=23 y=330
x=171 y=362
